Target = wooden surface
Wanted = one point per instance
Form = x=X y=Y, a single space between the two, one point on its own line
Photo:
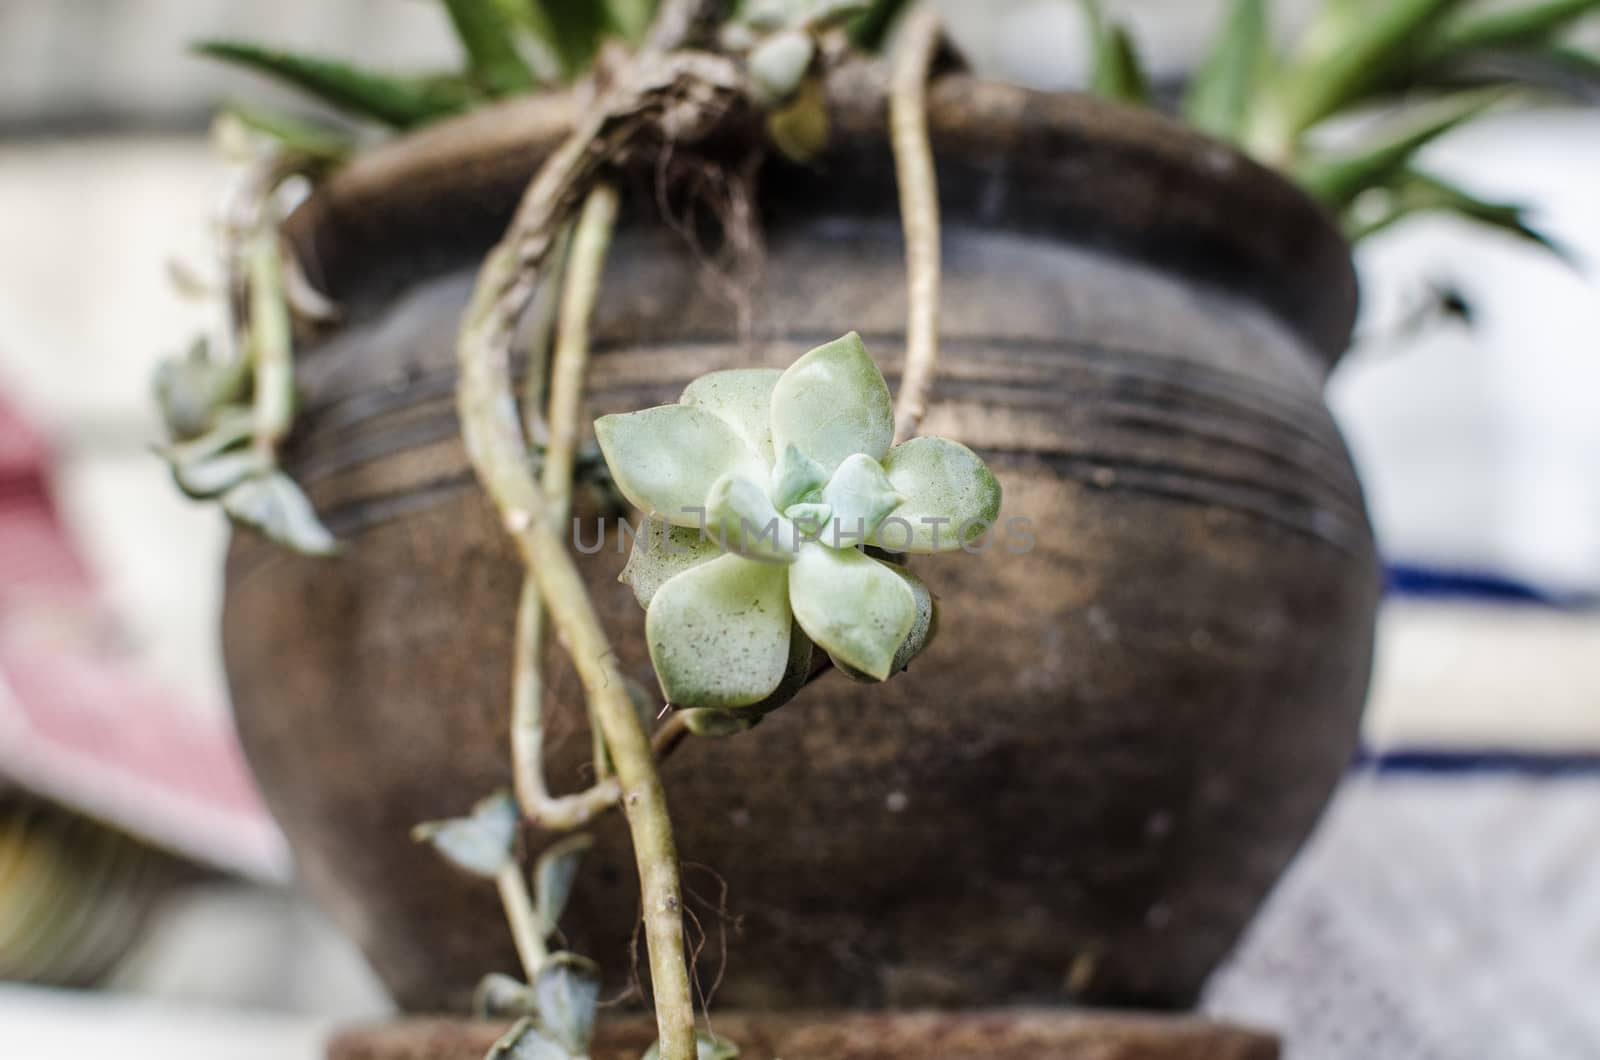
x=1020 y=1035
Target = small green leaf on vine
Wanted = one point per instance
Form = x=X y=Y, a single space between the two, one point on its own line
x=567 y=990
x=527 y=1041
x=553 y=876
x=480 y=843
x=499 y=996
x=274 y=505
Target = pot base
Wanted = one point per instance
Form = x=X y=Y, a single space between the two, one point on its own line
x=995 y=1034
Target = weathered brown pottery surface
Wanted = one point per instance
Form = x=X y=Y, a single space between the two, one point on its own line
x=1121 y=736
x=1000 y=1035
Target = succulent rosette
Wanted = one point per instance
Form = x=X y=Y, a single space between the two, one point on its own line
x=764 y=492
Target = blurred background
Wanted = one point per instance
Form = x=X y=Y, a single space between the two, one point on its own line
x=1448 y=906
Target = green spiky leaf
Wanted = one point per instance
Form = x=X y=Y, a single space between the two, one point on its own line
x=401 y=102
x=1528 y=24
x=870 y=28
x=571 y=31
x=1338 y=179
x=1220 y=96
x=1118 y=72
x=1357 y=47
x=306 y=137
x=630 y=19
x=486 y=31
x=1413 y=192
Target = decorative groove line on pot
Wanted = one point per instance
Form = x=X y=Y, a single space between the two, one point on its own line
x=1109 y=473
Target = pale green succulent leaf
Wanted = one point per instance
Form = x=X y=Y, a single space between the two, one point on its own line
x=553 y=874
x=922 y=632
x=795 y=476
x=666 y=459
x=951 y=497
x=719 y=633
x=923 y=627
x=230 y=426
x=852 y=606
x=742 y=397
x=480 y=843
x=195 y=391
x=527 y=1041
x=796 y=674
x=860 y=495
x=833 y=402
x=567 y=990
x=778 y=65
x=740 y=518
x=707 y=1047
x=273 y=504
x=717 y=724
x=210 y=476
x=661 y=553
x=811 y=518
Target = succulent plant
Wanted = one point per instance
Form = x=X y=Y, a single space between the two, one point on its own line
x=783 y=506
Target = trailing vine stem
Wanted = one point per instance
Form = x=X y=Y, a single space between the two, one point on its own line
x=587 y=249
x=679 y=97
x=269 y=343
x=919 y=211
x=527 y=932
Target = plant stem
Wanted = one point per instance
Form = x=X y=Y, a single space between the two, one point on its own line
x=541 y=331
x=588 y=248
x=270 y=347
x=526 y=930
x=919 y=211
x=685 y=96
x=591 y=241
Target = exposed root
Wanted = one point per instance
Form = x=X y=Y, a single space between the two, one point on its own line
x=734 y=270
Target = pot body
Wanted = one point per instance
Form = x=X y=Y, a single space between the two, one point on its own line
x=1142 y=693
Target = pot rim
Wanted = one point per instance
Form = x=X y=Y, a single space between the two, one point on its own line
x=1117 y=178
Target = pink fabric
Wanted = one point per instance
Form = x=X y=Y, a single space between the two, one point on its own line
x=80 y=723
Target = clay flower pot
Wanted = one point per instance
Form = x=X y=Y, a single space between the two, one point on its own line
x=1129 y=721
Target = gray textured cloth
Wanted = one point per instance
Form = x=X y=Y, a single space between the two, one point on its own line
x=1433 y=916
